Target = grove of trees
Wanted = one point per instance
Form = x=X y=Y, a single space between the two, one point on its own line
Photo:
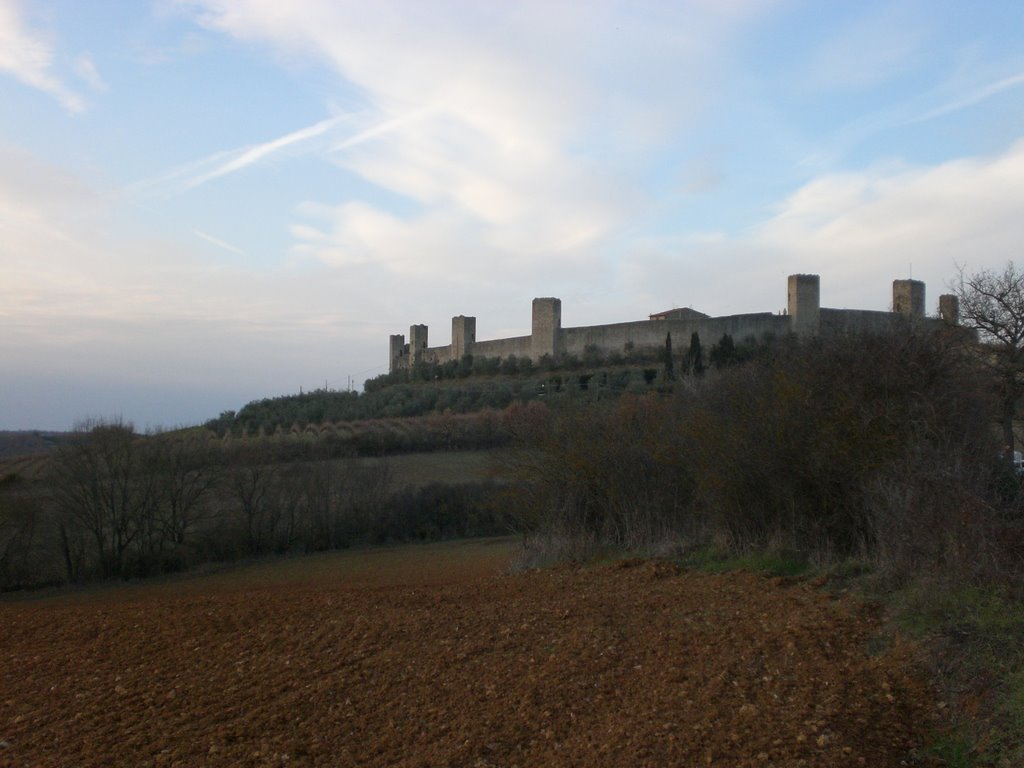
x=115 y=504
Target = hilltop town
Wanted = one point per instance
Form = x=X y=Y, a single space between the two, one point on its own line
x=804 y=316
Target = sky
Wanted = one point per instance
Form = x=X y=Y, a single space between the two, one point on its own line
x=207 y=202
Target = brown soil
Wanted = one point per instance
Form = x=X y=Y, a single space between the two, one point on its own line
x=628 y=665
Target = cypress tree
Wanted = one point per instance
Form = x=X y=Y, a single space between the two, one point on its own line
x=695 y=356
x=670 y=368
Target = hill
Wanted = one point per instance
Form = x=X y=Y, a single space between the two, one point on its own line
x=474 y=385
x=29 y=443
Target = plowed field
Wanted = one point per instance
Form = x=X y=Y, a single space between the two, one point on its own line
x=440 y=664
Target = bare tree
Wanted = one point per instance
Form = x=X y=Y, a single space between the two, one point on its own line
x=19 y=529
x=102 y=486
x=252 y=486
x=186 y=473
x=992 y=303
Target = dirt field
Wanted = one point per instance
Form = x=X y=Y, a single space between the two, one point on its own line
x=422 y=657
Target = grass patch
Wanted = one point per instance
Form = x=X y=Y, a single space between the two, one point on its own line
x=975 y=642
x=416 y=470
x=954 y=750
x=712 y=559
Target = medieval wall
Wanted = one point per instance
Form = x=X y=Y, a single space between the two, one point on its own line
x=839 y=321
x=520 y=346
x=804 y=316
x=651 y=333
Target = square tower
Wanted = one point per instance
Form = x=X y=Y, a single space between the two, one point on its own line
x=463 y=336
x=949 y=308
x=417 y=343
x=804 y=304
x=398 y=352
x=546 y=334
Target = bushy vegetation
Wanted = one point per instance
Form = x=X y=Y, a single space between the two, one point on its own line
x=880 y=446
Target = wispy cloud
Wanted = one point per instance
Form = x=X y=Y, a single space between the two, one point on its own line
x=28 y=56
x=217 y=242
x=975 y=97
x=85 y=68
x=247 y=156
x=382 y=128
x=831 y=149
x=229 y=161
x=881 y=45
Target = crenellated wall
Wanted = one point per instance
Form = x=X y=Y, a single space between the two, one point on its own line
x=804 y=317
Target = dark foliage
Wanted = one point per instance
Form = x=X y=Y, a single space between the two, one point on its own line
x=871 y=444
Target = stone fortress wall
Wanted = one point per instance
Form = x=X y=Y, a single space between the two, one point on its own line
x=804 y=316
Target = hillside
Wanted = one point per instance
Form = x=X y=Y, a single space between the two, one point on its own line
x=31 y=442
x=474 y=385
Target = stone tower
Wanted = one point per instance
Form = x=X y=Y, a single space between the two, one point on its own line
x=949 y=308
x=908 y=298
x=397 y=351
x=547 y=328
x=804 y=304
x=463 y=336
x=417 y=343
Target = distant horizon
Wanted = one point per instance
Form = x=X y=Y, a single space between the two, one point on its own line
x=208 y=202
x=118 y=417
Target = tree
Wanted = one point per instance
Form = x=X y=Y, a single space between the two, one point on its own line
x=724 y=352
x=670 y=369
x=695 y=356
x=186 y=472
x=992 y=303
x=251 y=485
x=103 y=486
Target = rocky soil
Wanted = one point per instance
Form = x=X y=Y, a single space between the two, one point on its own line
x=635 y=664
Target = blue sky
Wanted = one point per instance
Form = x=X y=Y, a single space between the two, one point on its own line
x=205 y=202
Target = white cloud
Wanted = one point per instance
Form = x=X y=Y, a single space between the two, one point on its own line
x=85 y=68
x=917 y=211
x=858 y=230
x=28 y=56
x=476 y=111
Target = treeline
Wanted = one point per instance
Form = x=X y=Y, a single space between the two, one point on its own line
x=379 y=437
x=473 y=384
x=117 y=505
x=877 y=446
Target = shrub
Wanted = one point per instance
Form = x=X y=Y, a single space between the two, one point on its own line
x=876 y=444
